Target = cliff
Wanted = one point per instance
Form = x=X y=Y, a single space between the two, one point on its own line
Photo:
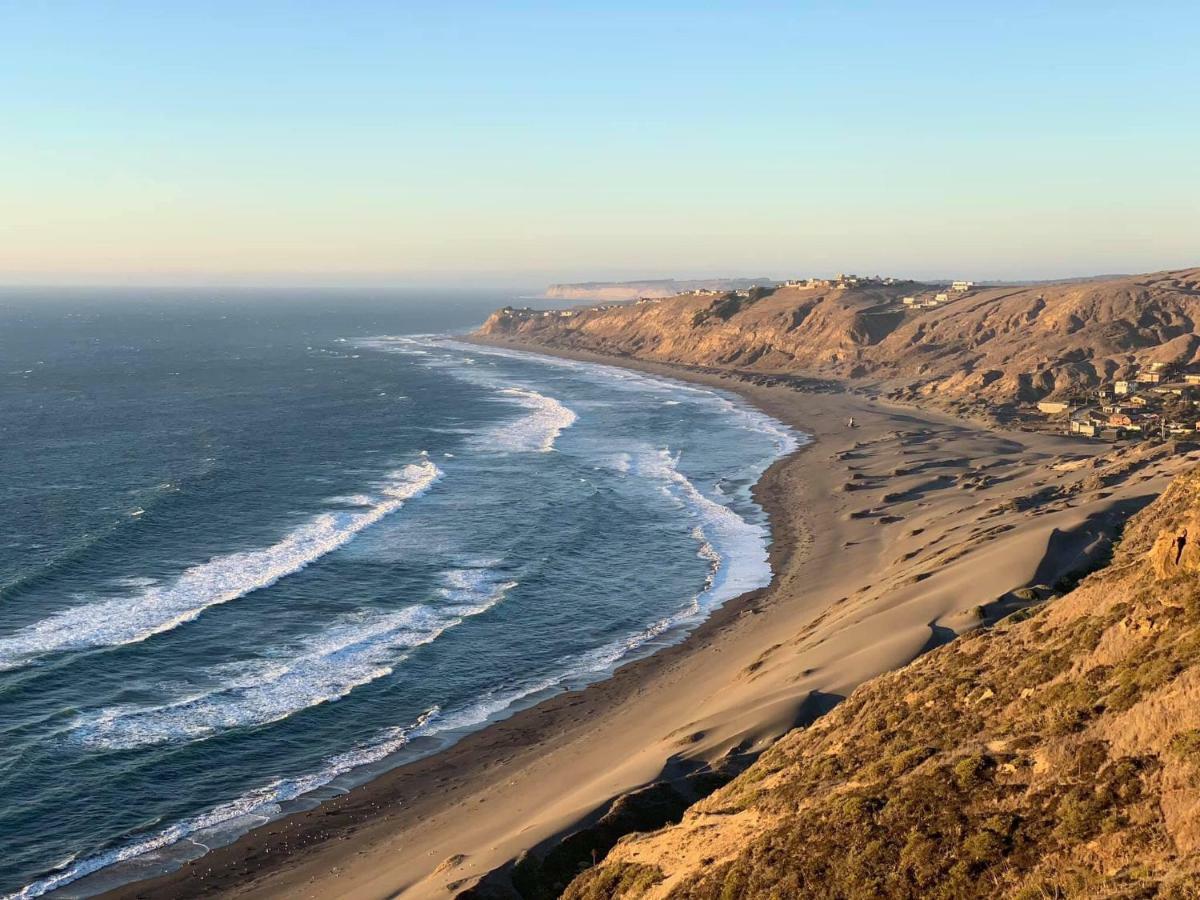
x=995 y=346
x=1054 y=755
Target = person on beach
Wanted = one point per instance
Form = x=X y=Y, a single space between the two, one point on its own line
x=850 y=424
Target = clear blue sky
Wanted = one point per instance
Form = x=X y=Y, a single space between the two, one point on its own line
x=339 y=141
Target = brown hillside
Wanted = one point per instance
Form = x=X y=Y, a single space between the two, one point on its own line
x=1055 y=756
x=1000 y=345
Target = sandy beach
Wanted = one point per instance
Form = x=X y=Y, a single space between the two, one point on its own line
x=888 y=538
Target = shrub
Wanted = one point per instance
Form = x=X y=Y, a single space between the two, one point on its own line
x=971 y=771
x=983 y=847
x=625 y=879
x=1186 y=745
x=1079 y=816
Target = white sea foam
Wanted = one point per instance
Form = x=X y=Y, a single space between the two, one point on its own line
x=535 y=432
x=786 y=440
x=135 y=581
x=246 y=811
x=351 y=500
x=264 y=804
x=735 y=548
x=612 y=375
x=153 y=610
x=320 y=669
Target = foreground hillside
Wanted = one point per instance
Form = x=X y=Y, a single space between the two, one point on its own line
x=994 y=346
x=1057 y=756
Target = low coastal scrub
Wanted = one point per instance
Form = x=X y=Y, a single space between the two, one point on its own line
x=623 y=879
x=1056 y=754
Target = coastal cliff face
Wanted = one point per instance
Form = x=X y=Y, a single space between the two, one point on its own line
x=1056 y=754
x=991 y=346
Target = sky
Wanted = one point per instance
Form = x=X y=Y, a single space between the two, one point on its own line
x=521 y=143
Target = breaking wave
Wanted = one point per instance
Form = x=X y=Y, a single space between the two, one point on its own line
x=736 y=549
x=321 y=669
x=238 y=815
x=535 y=432
x=127 y=620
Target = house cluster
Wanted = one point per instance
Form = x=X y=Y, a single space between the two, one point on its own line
x=932 y=301
x=925 y=301
x=1159 y=401
x=525 y=313
x=841 y=282
x=848 y=281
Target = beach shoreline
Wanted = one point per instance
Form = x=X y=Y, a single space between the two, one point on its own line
x=842 y=606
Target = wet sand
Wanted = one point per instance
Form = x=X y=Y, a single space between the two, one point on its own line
x=887 y=539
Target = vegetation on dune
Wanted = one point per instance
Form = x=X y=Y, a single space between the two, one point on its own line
x=1055 y=755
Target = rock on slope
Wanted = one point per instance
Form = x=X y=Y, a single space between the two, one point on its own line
x=1053 y=756
x=1002 y=345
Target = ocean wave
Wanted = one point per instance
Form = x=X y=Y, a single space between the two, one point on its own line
x=351 y=500
x=127 y=620
x=321 y=669
x=612 y=375
x=123 y=522
x=736 y=549
x=535 y=432
x=238 y=815
x=785 y=439
x=264 y=804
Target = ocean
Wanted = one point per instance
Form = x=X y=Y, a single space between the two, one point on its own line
x=259 y=545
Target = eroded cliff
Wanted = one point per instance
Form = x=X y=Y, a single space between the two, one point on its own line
x=986 y=347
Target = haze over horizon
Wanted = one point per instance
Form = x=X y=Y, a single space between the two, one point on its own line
x=286 y=144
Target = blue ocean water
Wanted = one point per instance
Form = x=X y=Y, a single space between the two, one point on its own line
x=260 y=544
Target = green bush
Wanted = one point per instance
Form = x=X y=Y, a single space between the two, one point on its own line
x=1186 y=745
x=971 y=771
x=1080 y=816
